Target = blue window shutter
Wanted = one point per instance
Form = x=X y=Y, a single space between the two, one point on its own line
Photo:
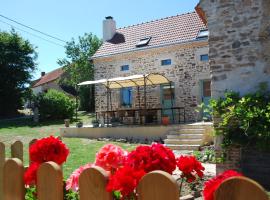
x=126 y=96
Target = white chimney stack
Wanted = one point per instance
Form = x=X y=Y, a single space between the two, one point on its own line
x=109 y=28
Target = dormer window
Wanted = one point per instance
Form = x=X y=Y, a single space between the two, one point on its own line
x=143 y=42
x=204 y=33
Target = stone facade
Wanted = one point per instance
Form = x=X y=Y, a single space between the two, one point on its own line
x=239 y=44
x=186 y=71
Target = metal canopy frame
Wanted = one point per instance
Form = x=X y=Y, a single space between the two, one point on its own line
x=132 y=81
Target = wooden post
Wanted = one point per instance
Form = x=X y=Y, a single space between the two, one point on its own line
x=13 y=180
x=30 y=144
x=2 y=162
x=240 y=188
x=50 y=182
x=158 y=185
x=17 y=150
x=92 y=184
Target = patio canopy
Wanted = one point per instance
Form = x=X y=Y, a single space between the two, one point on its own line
x=130 y=81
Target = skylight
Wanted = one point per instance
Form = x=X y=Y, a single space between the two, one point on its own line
x=143 y=42
x=204 y=33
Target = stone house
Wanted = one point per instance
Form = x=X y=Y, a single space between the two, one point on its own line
x=50 y=81
x=176 y=47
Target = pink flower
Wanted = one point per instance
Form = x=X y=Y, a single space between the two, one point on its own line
x=110 y=157
x=73 y=181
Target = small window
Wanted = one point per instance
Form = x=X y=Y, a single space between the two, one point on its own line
x=143 y=42
x=204 y=33
x=166 y=62
x=124 y=67
x=204 y=57
x=126 y=96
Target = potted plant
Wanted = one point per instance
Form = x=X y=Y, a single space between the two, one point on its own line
x=165 y=120
x=95 y=123
x=79 y=124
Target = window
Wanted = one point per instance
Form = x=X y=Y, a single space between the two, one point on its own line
x=124 y=67
x=126 y=96
x=203 y=34
x=166 y=62
x=204 y=57
x=143 y=42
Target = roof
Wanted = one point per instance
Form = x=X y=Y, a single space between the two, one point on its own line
x=51 y=76
x=166 y=31
x=130 y=81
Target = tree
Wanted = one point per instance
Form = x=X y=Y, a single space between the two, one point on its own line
x=17 y=62
x=78 y=67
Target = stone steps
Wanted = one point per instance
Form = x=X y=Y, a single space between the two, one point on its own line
x=183 y=141
x=183 y=147
x=185 y=136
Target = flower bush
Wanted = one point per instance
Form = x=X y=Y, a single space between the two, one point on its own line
x=125 y=180
x=211 y=186
x=72 y=182
x=110 y=157
x=150 y=158
x=190 y=167
x=44 y=150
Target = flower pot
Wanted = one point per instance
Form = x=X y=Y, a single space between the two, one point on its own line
x=67 y=122
x=79 y=125
x=165 y=120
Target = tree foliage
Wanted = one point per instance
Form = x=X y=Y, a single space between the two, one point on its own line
x=78 y=67
x=17 y=62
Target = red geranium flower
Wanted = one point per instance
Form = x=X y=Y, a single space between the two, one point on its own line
x=44 y=150
x=48 y=149
x=150 y=158
x=125 y=180
x=190 y=166
x=30 y=176
x=110 y=157
x=211 y=186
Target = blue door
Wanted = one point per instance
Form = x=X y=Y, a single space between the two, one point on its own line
x=167 y=100
x=206 y=96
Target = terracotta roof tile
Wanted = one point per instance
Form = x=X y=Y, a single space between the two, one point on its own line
x=170 y=30
x=51 y=76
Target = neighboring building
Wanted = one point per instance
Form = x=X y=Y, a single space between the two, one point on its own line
x=48 y=81
x=176 y=47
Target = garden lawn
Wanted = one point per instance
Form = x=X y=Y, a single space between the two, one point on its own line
x=82 y=151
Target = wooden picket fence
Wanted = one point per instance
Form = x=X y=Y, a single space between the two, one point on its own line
x=157 y=185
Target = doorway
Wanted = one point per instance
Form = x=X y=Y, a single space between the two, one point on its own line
x=167 y=100
x=206 y=96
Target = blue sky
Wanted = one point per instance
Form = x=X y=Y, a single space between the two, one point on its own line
x=66 y=19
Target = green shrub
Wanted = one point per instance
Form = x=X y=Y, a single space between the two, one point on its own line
x=55 y=105
x=244 y=120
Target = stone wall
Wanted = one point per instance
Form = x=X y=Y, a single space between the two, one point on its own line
x=251 y=162
x=239 y=44
x=186 y=71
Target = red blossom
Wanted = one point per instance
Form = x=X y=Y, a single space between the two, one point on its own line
x=48 y=149
x=150 y=158
x=125 y=180
x=44 y=150
x=110 y=157
x=30 y=176
x=211 y=186
x=190 y=166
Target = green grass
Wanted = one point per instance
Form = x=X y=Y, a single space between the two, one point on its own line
x=82 y=151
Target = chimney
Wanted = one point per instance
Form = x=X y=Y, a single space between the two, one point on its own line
x=42 y=74
x=109 y=28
